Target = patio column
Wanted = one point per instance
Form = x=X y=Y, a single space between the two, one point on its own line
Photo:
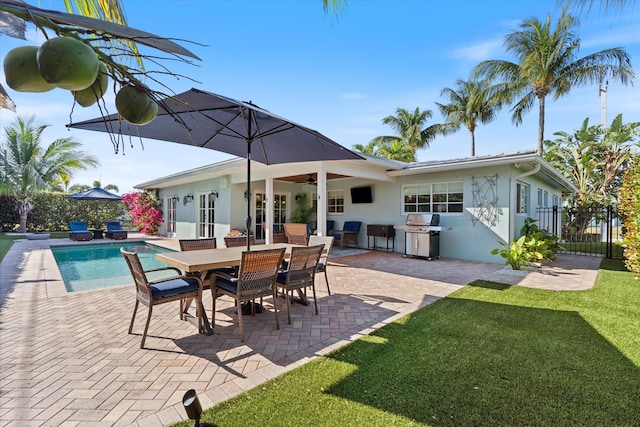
x=321 y=212
x=268 y=207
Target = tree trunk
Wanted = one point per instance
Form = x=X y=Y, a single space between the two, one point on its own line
x=22 y=228
x=473 y=143
x=541 y=126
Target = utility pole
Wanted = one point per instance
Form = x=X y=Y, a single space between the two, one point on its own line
x=603 y=103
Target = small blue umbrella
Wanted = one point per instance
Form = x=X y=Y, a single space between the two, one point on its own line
x=95 y=194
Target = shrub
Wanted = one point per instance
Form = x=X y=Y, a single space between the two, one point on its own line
x=143 y=208
x=629 y=203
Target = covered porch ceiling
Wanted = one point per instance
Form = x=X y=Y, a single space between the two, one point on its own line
x=308 y=178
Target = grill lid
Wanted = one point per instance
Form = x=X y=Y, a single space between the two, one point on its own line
x=423 y=219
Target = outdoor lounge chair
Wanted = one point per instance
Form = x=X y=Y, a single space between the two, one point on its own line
x=115 y=231
x=348 y=235
x=256 y=279
x=327 y=241
x=78 y=231
x=176 y=288
x=300 y=273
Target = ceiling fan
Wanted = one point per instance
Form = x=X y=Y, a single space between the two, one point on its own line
x=310 y=180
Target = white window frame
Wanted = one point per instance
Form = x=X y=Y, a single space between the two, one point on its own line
x=427 y=198
x=522 y=198
x=335 y=202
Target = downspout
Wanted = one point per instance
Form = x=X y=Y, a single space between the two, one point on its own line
x=512 y=200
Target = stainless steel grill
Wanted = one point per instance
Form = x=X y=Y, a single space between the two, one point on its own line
x=422 y=235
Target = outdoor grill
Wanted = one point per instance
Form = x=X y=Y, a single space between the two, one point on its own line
x=422 y=235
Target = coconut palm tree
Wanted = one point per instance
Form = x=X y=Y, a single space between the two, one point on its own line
x=547 y=64
x=473 y=102
x=27 y=168
x=76 y=188
x=409 y=128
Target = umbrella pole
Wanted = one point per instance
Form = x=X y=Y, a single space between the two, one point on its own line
x=247 y=219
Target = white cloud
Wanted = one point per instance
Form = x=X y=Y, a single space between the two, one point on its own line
x=480 y=51
x=351 y=96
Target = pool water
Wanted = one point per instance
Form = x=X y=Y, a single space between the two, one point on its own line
x=84 y=267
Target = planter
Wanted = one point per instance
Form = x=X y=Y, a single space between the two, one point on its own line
x=38 y=236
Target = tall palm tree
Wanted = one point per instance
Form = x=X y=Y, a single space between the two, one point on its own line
x=409 y=128
x=547 y=65
x=27 y=168
x=473 y=102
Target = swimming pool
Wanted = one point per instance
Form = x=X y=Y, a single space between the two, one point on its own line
x=84 y=267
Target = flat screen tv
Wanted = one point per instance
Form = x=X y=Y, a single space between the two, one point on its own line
x=361 y=195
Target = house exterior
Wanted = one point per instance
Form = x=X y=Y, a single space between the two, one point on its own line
x=481 y=200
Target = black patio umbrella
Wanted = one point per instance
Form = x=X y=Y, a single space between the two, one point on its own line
x=204 y=119
x=97 y=194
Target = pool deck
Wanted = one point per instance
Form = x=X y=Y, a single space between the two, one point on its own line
x=66 y=358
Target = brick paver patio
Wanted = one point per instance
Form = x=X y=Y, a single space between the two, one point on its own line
x=67 y=360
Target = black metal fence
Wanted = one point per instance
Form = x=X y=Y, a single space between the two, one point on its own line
x=588 y=231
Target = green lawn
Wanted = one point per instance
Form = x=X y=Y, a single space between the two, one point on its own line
x=489 y=354
x=6 y=241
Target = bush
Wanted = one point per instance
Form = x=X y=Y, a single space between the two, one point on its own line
x=143 y=208
x=52 y=212
x=630 y=208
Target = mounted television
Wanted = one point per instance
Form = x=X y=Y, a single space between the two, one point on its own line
x=361 y=195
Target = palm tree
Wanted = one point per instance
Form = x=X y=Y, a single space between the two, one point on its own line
x=547 y=65
x=396 y=150
x=472 y=102
x=76 y=188
x=409 y=127
x=27 y=168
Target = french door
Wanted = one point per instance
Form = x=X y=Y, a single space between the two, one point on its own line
x=206 y=215
x=260 y=215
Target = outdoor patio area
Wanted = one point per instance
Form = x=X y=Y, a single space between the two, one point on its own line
x=66 y=359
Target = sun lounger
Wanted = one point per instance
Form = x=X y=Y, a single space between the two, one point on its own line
x=115 y=231
x=78 y=231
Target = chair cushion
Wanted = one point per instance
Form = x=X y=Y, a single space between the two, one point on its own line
x=77 y=226
x=320 y=266
x=114 y=226
x=227 y=285
x=173 y=287
x=352 y=226
x=282 y=277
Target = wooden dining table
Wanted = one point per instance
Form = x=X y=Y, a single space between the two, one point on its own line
x=203 y=260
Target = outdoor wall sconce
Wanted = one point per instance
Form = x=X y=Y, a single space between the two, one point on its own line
x=187 y=199
x=175 y=199
x=160 y=203
x=213 y=195
x=192 y=406
x=298 y=197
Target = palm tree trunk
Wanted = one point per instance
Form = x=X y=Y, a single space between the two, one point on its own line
x=541 y=125
x=473 y=143
x=22 y=228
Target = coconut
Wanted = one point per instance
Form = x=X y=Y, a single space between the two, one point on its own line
x=68 y=63
x=21 y=70
x=135 y=105
x=90 y=95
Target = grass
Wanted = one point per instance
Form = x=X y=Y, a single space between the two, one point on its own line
x=489 y=354
x=593 y=248
x=6 y=241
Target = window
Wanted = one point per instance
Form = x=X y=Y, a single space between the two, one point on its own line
x=438 y=198
x=546 y=199
x=555 y=200
x=540 y=197
x=522 y=198
x=335 y=201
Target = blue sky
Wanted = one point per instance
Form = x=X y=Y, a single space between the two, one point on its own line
x=340 y=76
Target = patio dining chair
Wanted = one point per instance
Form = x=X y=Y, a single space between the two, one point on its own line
x=256 y=279
x=239 y=241
x=197 y=244
x=301 y=273
x=151 y=293
x=297 y=234
x=327 y=241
